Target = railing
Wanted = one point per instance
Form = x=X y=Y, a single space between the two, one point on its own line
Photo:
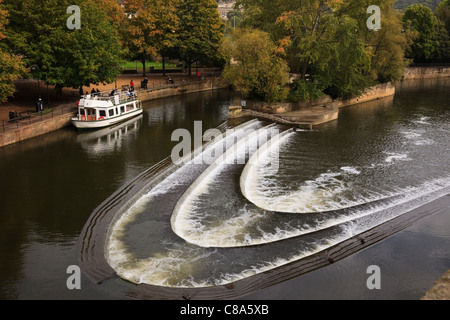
x=35 y=117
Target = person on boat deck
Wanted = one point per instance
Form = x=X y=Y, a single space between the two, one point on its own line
x=93 y=91
x=130 y=94
x=113 y=92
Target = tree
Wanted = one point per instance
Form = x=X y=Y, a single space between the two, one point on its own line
x=442 y=53
x=422 y=20
x=442 y=12
x=151 y=27
x=200 y=32
x=63 y=57
x=256 y=70
x=11 y=66
x=387 y=46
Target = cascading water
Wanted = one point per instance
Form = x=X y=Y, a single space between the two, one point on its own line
x=214 y=224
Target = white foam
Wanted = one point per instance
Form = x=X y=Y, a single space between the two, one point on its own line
x=393 y=156
x=183 y=220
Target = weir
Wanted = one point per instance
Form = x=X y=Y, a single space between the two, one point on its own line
x=214 y=240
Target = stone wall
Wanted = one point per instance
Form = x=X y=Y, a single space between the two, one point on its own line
x=426 y=72
x=373 y=93
x=35 y=129
x=48 y=125
x=179 y=89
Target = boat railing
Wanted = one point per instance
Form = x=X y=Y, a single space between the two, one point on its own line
x=106 y=96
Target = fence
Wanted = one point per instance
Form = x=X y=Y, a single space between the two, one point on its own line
x=30 y=118
x=24 y=120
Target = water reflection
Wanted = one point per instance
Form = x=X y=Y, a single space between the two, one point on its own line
x=103 y=141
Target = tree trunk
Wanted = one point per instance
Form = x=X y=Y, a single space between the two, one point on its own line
x=304 y=70
x=189 y=68
x=143 y=65
x=164 y=66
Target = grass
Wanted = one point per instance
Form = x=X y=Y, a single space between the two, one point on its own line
x=131 y=65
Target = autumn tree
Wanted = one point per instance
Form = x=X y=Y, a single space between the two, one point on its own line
x=329 y=44
x=255 y=70
x=386 y=47
x=11 y=66
x=151 y=28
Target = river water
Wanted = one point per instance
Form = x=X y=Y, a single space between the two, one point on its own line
x=378 y=161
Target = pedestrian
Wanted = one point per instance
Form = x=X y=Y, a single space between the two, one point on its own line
x=145 y=83
x=132 y=84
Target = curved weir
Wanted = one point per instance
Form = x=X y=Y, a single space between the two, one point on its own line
x=231 y=225
x=190 y=223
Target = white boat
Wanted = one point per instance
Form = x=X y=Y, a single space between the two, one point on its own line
x=104 y=109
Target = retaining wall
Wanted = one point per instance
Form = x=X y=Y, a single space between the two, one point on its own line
x=35 y=129
x=426 y=73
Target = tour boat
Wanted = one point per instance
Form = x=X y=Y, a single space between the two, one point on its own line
x=101 y=109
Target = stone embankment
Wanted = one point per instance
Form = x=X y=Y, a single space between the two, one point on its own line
x=311 y=113
x=26 y=129
x=441 y=290
x=426 y=72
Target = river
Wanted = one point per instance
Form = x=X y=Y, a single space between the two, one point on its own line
x=377 y=162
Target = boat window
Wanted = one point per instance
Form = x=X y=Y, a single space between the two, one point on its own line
x=82 y=112
x=130 y=106
x=111 y=112
x=93 y=112
x=88 y=112
x=122 y=109
x=102 y=113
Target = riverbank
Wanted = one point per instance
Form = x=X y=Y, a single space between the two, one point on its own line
x=425 y=72
x=34 y=125
x=306 y=114
x=311 y=113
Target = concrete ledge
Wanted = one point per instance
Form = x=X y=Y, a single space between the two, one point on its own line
x=373 y=93
x=179 y=89
x=426 y=73
x=441 y=290
x=35 y=129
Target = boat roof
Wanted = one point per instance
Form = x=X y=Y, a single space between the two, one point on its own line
x=106 y=100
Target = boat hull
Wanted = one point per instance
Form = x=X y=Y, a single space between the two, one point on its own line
x=86 y=125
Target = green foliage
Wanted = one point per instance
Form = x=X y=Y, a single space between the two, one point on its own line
x=403 y=4
x=63 y=57
x=256 y=70
x=11 y=66
x=200 y=32
x=442 y=12
x=387 y=46
x=303 y=90
x=421 y=19
x=442 y=53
